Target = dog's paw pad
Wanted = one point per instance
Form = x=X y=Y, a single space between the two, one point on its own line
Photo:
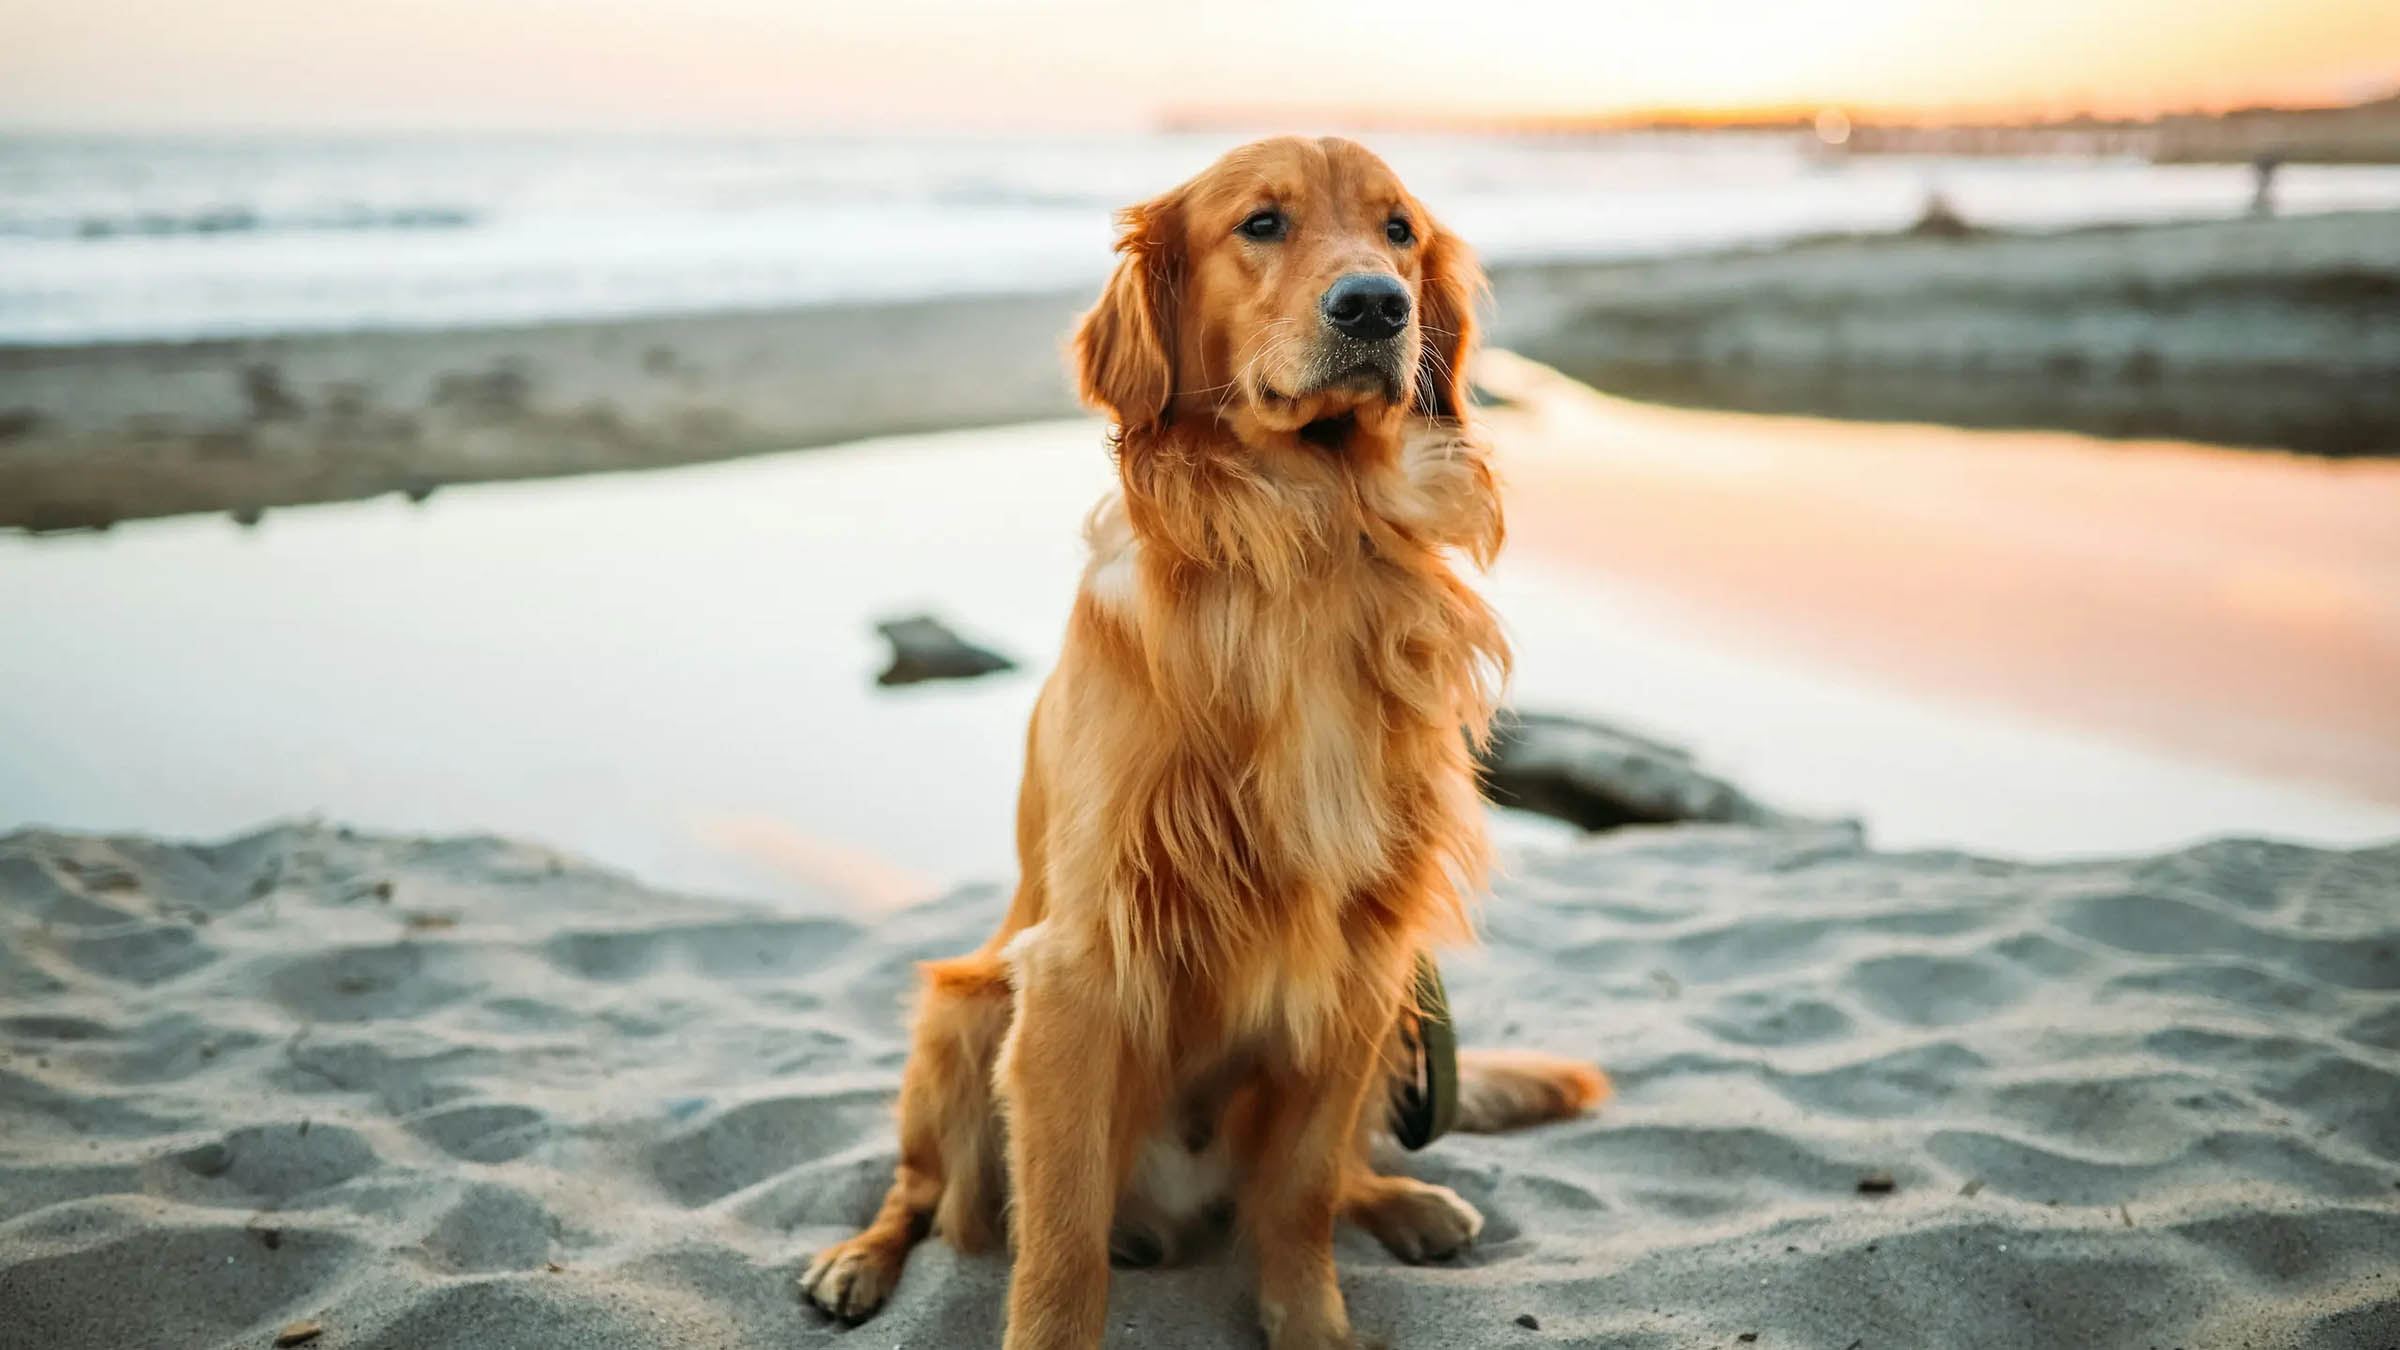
x=850 y=1281
x=1421 y=1222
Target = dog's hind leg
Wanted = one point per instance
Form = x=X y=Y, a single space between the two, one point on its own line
x=951 y=1173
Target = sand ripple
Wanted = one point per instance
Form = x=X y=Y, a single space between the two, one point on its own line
x=471 y=1093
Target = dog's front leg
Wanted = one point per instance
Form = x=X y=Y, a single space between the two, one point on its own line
x=1074 y=1118
x=1306 y=1122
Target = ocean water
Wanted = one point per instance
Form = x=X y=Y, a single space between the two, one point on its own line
x=167 y=238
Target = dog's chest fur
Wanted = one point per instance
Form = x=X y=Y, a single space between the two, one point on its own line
x=1306 y=807
x=1302 y=710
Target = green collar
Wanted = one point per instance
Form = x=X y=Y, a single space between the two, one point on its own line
x=1425 y=1096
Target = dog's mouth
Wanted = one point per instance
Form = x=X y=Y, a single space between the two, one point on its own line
x=1335 y=389
x=1344 y=370
x=1337 y=400
x=1374 y=377
x=1365 y=382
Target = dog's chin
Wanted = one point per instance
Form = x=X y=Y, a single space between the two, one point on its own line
x=1323 y=412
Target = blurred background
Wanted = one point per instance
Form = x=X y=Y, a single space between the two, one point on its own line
x=1975 y=419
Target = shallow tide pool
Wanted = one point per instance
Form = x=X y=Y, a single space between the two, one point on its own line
x=673 y=672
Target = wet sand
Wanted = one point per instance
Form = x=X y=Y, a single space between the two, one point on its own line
x=2274 y=333
x=2237 y=607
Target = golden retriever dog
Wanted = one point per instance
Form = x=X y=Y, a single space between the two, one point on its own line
x=1249 y=801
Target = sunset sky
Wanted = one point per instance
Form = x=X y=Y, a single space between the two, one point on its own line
x=1114 y=64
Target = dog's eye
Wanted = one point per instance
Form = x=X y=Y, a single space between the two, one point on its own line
x=1267 y=224
x=1399 y=231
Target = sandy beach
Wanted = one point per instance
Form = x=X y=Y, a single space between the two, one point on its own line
x=531 y=537
x=552 y=1091
x=430 y=1092
x=565 y=1009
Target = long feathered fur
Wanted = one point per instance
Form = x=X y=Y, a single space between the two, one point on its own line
x=1250 y=797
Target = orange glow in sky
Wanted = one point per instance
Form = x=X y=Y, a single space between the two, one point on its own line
x=1105 y=64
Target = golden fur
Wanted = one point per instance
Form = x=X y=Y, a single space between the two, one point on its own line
x=1249 y=799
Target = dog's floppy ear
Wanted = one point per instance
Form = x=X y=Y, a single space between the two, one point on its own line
x=1125 y=347
x=1446 y=323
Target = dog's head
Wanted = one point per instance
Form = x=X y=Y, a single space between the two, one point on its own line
x=1293 y=290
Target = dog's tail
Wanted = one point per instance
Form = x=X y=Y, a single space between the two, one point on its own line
x=1511 y=1089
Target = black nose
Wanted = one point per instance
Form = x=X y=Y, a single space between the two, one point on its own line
x=1369 y=306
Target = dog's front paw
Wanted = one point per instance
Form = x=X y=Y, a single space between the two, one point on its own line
x=1315 y=1334
x=1417 y=1221
x=851 y=1280
x=1344 y=1340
